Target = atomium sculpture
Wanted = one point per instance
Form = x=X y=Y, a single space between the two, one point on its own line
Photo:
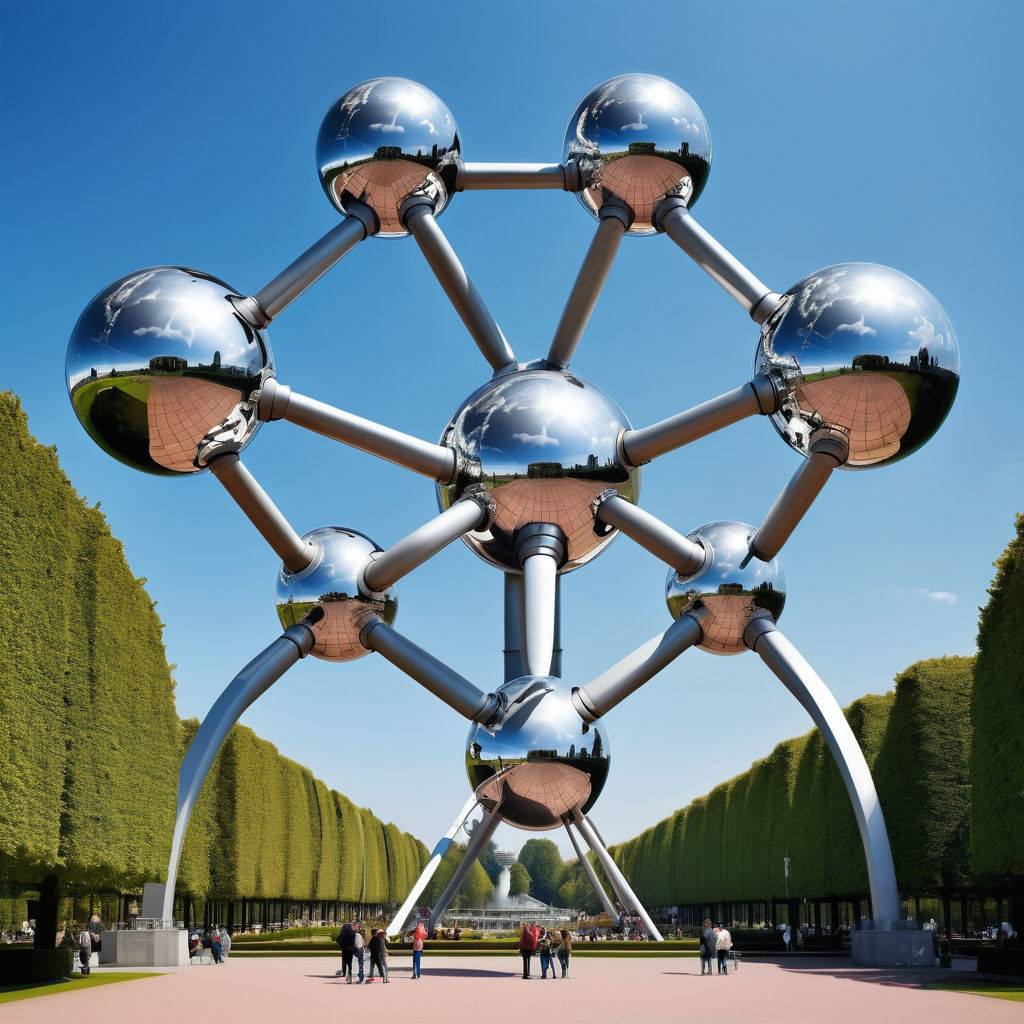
x=170 y=371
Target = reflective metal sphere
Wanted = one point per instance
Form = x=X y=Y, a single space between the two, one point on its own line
x=866 y=349
x=543 y=444
x=541 y=760
x=638 y=139
x=731 y=595
x=160 y=363
x=384 y=140
x=326 y=596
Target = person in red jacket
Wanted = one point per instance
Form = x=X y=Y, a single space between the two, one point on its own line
x=417 y=947
x=527 y=945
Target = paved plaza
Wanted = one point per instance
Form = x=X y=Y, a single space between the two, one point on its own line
x=490 y=990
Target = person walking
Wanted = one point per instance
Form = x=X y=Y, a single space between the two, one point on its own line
x=417 y=948
x=346 y=940
x=359 y=948
x=84 y=949
x=707 y=947
x=225 y=941
x=379 y=954
x=544 y=952
x=527 y=945
x=723 y=943
x=564 y=952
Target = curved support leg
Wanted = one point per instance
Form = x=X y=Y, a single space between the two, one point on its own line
x=397 y=925
x=804 y=683
x=254 y=680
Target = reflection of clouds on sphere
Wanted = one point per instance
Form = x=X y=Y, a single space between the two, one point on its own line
x=730 y=594
x=158 y=363
x=326 y=596
x=638 y=139
x=543 y=444
x=384 y=140
x=540 y=761
x=866 y=349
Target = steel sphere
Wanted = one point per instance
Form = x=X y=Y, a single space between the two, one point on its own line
x=638 y=139
x=543 y=444
x=730 y=594
x=540 y=761
x=159 y=363
x=326 y=595
x=383 y=141
x=866 y=349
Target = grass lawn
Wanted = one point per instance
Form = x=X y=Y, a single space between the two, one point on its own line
x=12 y=993
x=980 y=987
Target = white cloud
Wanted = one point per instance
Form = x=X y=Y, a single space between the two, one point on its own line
x=387 y=127
x=169 y=332
x=938 y=595
x=540 y=440
x=924 y=334
x=857 y=328
x=430 y=126
x=637 y=126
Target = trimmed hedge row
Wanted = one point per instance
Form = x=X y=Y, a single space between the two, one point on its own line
x=20 y=966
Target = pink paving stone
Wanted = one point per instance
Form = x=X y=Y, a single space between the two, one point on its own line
x=489 y=990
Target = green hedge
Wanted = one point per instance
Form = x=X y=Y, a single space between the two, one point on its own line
x=22 y=965
x=1007 y=962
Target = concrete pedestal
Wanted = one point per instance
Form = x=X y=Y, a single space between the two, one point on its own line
x=157 y=947
x=894 y=949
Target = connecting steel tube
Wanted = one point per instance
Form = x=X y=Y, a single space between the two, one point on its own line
x=418 y=217
x=262 y=307
x=479 y=176
x=253 y=681
x=477 y=841
x=262 y=512
x=610 y=688
x=827 y=451
x=423 y=543
x=677 y=551
x=457 y=692
x=818 y=701
x=589 y=282
x=638 y=447
x=278 y=401
x=751 y=293
x=591 y=874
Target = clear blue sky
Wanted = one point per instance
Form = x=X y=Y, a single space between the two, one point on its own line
x=141 y=134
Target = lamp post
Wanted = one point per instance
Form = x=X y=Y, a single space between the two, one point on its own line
x=785 y=871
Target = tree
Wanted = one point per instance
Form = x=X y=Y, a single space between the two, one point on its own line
x=518 y=879
x=544 y=863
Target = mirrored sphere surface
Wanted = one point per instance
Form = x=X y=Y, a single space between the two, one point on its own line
x=866 y=349
x=326 y=596
x=731 y=595
x=541 y=760
x=383 y=141
x=638 y=139
x=159 y=363
x=543 y=444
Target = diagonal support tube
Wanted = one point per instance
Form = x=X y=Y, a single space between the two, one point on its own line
x=588 y=870
x=254 y=680
x=677 y=551
x=418 y=216
x=277 y=401
x=611 y=870
x=262 y=512
x=637 y=447
x=443 y=682
x=597 y=698
x=752 y=294
x=615 y=220
x=828 y=450
x=477 y=841
x=262 y=307
x=816 y=698
x=471 y=512
x=398 y=922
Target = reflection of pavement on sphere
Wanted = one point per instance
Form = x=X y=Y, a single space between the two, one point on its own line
x=727 y=616
x=383 y=185
x=562 y=501
x=338 y=630
x=639 y=181
x=535 y=794
x=872 y=406
x=181 y=411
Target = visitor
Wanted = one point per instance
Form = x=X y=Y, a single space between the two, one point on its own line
x=564 y=952
x=84 y=949
x=225 y=941
x=95 y=927
x=527 y=945
x=544 y=952
x=723 y=943
x=707 y=947
x=417 y=948
x=379 y=954
x=359 y=948
x=346 y=940
x=787 y=938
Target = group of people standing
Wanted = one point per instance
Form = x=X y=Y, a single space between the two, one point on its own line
x=216 y=939
x=354 y=947
x=549 y=944
x=715 y=943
